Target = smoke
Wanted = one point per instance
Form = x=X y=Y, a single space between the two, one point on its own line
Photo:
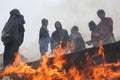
x=68 y=12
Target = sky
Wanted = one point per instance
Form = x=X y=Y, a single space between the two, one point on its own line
x=68 y=12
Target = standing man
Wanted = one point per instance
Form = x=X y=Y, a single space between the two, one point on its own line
x=12 y=36
x=44 y=37
x=106 y=27
x=59 y=35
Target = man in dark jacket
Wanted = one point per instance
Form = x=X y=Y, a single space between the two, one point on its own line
x=76 y=38
x=12 y=36
x=59 y=35
x=106 y=27
x=44 y=38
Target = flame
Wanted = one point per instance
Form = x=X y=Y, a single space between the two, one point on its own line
x=18 y=67
x=61 y=51
x=54 y=70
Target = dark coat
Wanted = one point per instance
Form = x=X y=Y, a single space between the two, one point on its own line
x=58 y=36
x=14 y=29
x=44 y=33
x=78 y=41
x=44 y=40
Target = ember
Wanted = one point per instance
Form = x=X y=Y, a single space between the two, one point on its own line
x=74 y=66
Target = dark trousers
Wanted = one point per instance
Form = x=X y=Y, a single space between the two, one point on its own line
x=9 y=52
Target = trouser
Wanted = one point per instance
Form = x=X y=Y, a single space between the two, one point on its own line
x=43 y=47
x=9 y=52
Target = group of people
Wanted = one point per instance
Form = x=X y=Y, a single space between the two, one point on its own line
x=59 y=36
x=103 y=31
x=13 y=35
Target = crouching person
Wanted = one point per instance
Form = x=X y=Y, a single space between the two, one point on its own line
x=76 y=38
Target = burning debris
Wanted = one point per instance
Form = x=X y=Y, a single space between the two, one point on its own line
x=88 y=64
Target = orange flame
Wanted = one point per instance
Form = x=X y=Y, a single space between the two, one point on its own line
x=55 y=70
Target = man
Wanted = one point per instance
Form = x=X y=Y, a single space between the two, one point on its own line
x=95 y=34
x=59 y=35
x=77 y=39
x=106 y=27
x=12 y=36
x=44 y=38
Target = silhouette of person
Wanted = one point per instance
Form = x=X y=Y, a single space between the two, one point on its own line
x=95 y=34
x=58 y=35
x=12 y=35
x=77 y=39
x=106 y=27
x=44 y=37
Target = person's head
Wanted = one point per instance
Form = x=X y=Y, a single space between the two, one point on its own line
x=101 y=14
x=74 y=29
x=15 y=12
x=92 y=25
x=44 y=22
x=58 y=26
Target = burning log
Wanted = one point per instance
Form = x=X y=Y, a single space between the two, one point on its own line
x=111 y=52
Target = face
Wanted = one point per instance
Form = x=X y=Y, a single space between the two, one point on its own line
x=46 y=23
x=73 y=30
x=101 y=16
x=58 y=26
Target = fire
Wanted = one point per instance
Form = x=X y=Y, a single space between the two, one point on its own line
x=52 y=68
x=60 y=51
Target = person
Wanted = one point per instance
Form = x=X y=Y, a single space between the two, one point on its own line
x=13 y=35
x=76 y=38
x=44 y=37
x=106 y=27
x=95 y=34
x=59 y=35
